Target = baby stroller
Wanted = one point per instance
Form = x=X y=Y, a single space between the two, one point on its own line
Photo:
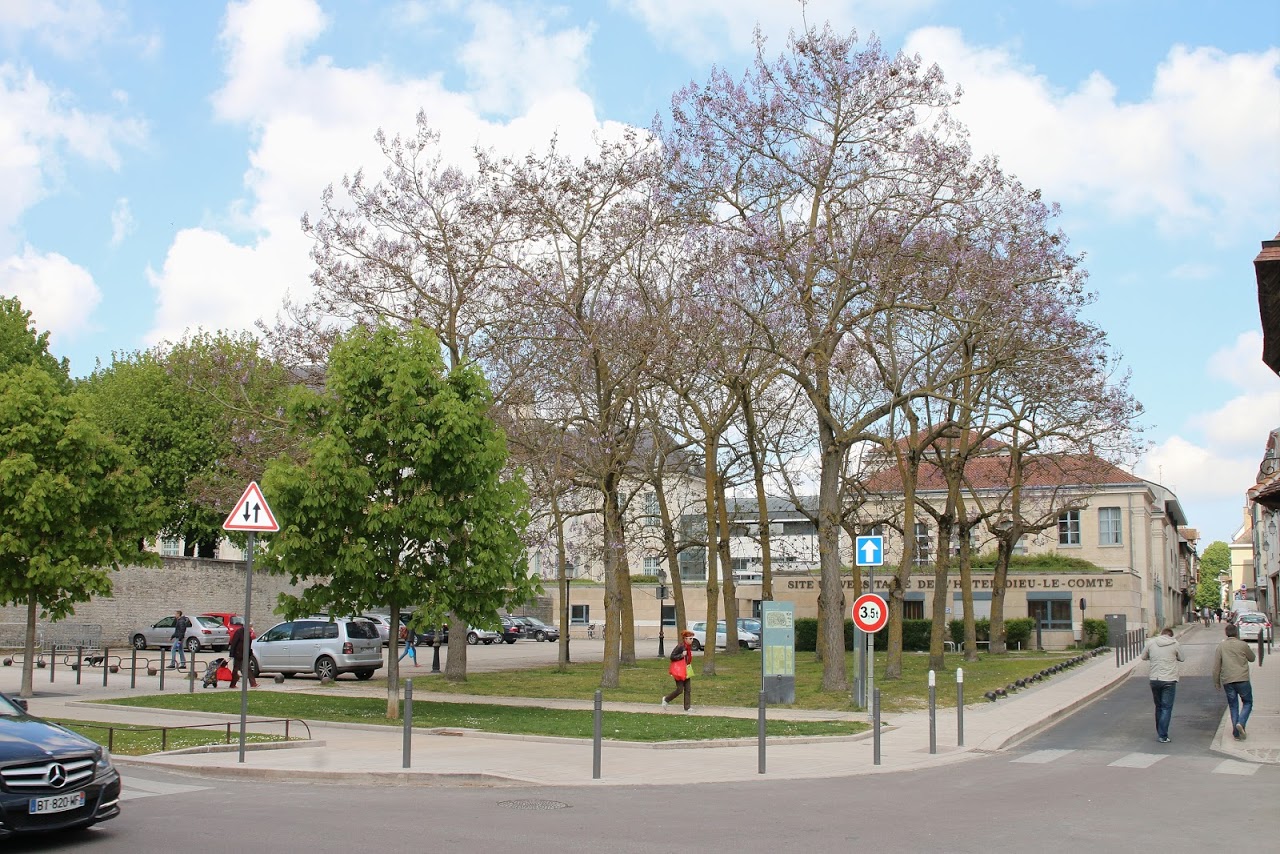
x=216 y=670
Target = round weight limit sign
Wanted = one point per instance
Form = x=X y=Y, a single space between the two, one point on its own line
x=870 y=613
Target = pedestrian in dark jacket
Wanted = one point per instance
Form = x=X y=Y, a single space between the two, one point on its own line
x=1231 y=674
x=681 y=670
x=410 y=638
x=236 y=651
x=178 y=653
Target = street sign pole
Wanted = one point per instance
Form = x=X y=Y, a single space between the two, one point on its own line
x=246 y=642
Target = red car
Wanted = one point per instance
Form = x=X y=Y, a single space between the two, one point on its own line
x=230 y=620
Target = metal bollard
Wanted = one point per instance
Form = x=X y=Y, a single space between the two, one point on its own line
x=133 y=668
x=161 y=669
x=408 y=723
x=597 y=726
x=959 y=707
x=106 y=664
x=875 y=726
x=1117 y=656
x=1261 y=653
x=760 y=732
x=191 y=676
x=933 y=713
x=79 y=662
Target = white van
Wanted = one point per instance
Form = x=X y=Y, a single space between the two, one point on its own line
x=1245 y=606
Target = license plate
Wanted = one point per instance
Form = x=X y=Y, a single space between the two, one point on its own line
x=56 y=803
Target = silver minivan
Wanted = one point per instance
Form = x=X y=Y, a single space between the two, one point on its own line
x=326 y=648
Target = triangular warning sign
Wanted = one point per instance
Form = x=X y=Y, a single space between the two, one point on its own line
x=251 y=513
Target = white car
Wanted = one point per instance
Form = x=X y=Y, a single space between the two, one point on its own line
x=1253 y=625
x=484 y=636
x=205 y=633
x=746 y=640
x=326 y=648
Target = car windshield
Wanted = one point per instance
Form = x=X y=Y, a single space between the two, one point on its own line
x=1252 y=618
x=210 y=622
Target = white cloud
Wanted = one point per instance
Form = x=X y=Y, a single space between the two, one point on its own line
x=65 y=26
x=122 y=224
x=60 y=295
x=1241 y=365
x=709 y=29
x=313 y=121
x=37 y=129
x=1197 y=153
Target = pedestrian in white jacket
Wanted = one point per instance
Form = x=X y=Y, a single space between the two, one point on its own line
x=1164 y=654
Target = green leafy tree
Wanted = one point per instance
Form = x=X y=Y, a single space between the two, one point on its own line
x=400 y=497
x=1214 y=563
x=73 y=503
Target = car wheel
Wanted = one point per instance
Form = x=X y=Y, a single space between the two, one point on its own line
x=139 y=642
x=364 y=675
x=695 y=646
x=540 y=636
x=488 y=641
x=472 y=638
x=326 y=667
x=253 y=669
x=511 y=640
x=193 y=645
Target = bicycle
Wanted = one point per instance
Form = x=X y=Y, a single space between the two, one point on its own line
x=591 y=631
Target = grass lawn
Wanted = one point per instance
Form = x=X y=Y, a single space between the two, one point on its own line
x=622 y=726
x=128 y=740
x=737 y=681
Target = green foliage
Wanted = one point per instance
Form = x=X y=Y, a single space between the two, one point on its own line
x=1017 y=630
x=400 y=497
x=1095 y=632
x=1045 y=562
x=73 y=503
x=915 y=635
x=1214 y=563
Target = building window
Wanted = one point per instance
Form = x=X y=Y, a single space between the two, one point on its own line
x=1054 y=613
x=913 y=609
x=170 y=547
x=579 y=615
x=652 y=565
x=1069 y=528
x=1109 y=526
x=955 y=541
x=651 y=508
x=1020 y=547
x=798 y=529
x=921 y=557
x=668 y=615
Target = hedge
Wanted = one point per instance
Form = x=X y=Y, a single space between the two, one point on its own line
x=1017 y=630
x=1095 y=633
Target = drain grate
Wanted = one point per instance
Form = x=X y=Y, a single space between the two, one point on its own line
x=533 y=804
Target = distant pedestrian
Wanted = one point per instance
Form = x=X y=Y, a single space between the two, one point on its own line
x=681 y=662
x=1204 y=615
x=1217 y=613
x=410 y=638
x=1164 y=654
x=1231 y=674
x=178 y=653
x=236 y=651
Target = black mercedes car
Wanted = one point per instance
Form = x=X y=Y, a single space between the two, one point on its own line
x=50 y=777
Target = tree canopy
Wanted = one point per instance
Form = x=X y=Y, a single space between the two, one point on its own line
x=401 y=496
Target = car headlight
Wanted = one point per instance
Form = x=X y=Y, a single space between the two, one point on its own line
x=102 y=763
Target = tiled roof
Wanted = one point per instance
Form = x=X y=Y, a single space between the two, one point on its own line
x=993 y=473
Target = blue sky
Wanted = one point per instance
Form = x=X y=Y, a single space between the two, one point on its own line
x=156 y=157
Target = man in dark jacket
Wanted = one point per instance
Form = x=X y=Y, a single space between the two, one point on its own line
x=178 y=653
x=236 y=651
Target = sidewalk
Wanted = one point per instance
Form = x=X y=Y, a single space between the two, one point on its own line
x=373 y=754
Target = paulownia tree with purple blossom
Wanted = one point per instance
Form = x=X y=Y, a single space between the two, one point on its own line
x=824 y=163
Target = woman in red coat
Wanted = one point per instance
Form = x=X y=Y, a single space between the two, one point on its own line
x=681 y=669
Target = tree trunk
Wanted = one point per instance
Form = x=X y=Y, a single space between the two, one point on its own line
x=941 y=591
x=835 y=676
x=29 y=650
x=455 y=667
x=393 y=665
x=901 y=579
x=726 y=571
x=709 y=474
x=1003 y=550
x=609 y=674
x=762 y=497
x=966 y=587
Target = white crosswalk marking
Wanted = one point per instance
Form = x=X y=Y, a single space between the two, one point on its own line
x=1039 y=757
x=137 y=787
x=1231 y=766
x=1137 y=760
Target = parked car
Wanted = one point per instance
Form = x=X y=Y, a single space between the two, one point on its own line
x=750 y=625
x=746 y=640
x=383 y=622
x=1253 y=625
x=50 y=777
x=512 y=629
x=538 y=630
x=205 y=633
x=484 y=636
x=230 y=620
x=327 y=648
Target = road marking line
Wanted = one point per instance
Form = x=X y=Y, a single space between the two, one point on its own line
x=1231 y=766
x=1039 y=757
x=137 y=787
x=1136 y=760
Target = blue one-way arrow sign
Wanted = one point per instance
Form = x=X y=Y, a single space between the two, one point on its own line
x=869 y=551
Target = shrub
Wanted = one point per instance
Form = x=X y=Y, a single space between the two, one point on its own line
x=1018 y=631
x=915 y=635
x=1095 y=633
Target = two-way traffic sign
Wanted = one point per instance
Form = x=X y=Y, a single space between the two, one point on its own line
x=869 y=551
x=251 y=513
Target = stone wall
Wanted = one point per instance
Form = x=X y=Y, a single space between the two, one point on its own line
x=142 y=595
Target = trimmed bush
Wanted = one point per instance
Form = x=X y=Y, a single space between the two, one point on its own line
x=1016 y=630
x=1095 y=633
x=915 y=635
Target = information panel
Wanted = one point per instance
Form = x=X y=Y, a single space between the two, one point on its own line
x=778 y=651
